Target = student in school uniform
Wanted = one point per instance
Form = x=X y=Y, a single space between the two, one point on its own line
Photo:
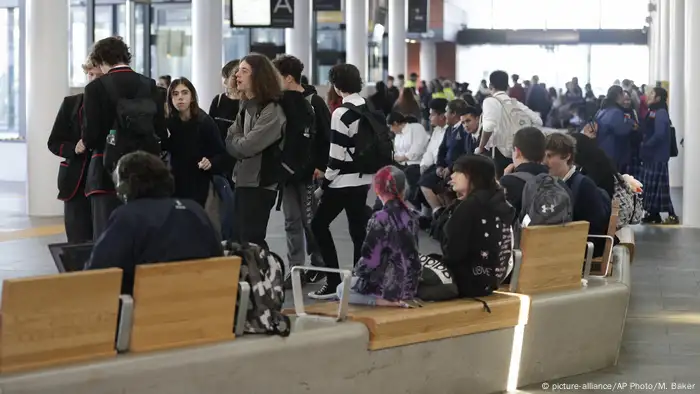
x=66 y=142
x=112 y=56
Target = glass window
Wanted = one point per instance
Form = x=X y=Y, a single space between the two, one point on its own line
x=267 y=36
x=77 y=45
x=172 y=29
x=608 y=63
x=479 y=14
x=623 y=14
x=236 y=43
x=9 y=73
x=330 y=39
x=104 y=23
x=519 y=14
x=570 y=14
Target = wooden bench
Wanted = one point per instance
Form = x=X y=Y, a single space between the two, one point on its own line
x=392 y=327
x=59 y=319
x=184 y=303
x=626 y=237
x=549 y=258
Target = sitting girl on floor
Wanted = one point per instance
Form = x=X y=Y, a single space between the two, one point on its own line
x=387 y=273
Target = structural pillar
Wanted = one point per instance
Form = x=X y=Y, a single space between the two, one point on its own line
x=47 y=40
x=663 y=10
x=297 y=40
x=653 y=50
x=397 y=37
x=428 y=61
x=207 y=47
x=676 y=85
x=691 y=187
x=356 y=35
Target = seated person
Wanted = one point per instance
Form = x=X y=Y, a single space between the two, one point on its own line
x=433 y=183
x=387 y=273
x=151 y=227
x=478 y=239
x=471 y=121
x=528 y=154
x=428 y=163
x=410 y=144
x=595 y=163
x=591 y=204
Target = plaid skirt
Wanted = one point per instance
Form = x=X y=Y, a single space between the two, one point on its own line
x=634 y=168
x=657 y=193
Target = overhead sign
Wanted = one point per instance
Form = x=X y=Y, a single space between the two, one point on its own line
x=327 y=5
x=262 y=13
x=418 y=16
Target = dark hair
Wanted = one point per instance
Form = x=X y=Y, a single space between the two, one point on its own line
x=499 y=80
x=346 y=78
x=614 y=92
x=395 y=117
x=304 y=80
x=470 y=100
x=553 y=93
x=289 y=65
x=401 y=76
x=389 y=78
x=171 y=111
x=407 y=101
x=266 y=81
x=167 y=79
x=562 y=145
x=515 y=77
x=458 y=107
x=143 y=175
x=479 y=169
x=475 y=111
x=662 y=94
x=228 y=68
x=413 y=75
x=110 y=51
x=438 y=105
x=530 y=142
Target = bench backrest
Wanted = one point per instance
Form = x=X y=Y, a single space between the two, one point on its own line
x=552 y=258
x=184 y=303
x=58 y=319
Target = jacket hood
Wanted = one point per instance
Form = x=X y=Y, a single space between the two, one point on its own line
x=309 y=90
x=497 y=203
x=296 y=108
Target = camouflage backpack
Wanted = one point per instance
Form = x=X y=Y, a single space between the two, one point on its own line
x=264 y=272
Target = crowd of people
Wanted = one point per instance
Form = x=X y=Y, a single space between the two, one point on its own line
x=150 y=176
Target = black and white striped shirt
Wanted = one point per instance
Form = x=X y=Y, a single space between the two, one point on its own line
x=341 y=171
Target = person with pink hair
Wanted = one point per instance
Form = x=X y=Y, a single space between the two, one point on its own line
x=389 y=269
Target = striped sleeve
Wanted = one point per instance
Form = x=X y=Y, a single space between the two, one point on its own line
x=339 y=161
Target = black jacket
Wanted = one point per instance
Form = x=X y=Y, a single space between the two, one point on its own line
x=476 y=241
x=514 y=186
x=323 y=127
x=188 y=143
x=148 y=231
x=100 y=113
x=65 y=134
x=595 y=163
x=592 y=206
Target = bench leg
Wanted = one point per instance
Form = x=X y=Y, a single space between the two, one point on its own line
x=242 y=313
x=515 y=274
x=126 y=316
x=589 y=260
x=299 y=297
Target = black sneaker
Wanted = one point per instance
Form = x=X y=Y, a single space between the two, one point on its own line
x=652 y=219
x=326 y=292
x=424 y=222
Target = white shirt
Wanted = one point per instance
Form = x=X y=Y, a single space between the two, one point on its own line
x=431 y=153
x=495 y=120
x=411 y=142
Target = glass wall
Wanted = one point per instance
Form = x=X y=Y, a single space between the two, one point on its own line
x=9 y=72
x=172 y=30
x=556 y=65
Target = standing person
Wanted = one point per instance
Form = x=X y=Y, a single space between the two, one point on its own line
x=334 y=101
x=224 y=109
x=517 y=91
x=298 y=192
x=407 y=104
x=381 y=100
x=392 y=91
x=614 y=128
x=65 y=141
x=655 y=154
x=254 y=139
x=164 y=81
x=196 y=148
x=343 y=188
x=128 y=108
x=634 y=167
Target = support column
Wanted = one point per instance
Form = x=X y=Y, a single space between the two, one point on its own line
x=298 y=40
x=677 y=85
x=397 y=37
x=207 y=47
x=651 y=38
x=663 y=11
x=691 y=187
x=428 y=61
x=47 y=38
x=356 y=35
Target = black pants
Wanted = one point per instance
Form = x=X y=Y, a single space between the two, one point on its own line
x=77 y=217
x=251 y=207
x=501 y=162
x=102 y=206
x=334 y=200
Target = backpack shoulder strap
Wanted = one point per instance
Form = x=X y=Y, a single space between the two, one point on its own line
x=524 y=176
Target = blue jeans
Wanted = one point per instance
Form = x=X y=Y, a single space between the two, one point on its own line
x=355 y=297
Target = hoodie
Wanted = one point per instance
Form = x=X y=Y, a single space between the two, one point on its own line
x=477 y=246
x=323 y=127
x=299 y=117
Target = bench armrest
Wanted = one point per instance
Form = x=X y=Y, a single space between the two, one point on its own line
x=242 y=312
x=589 y=260
x=608 y=260
x=299 y=297
x=515 y=274
x=126 y=317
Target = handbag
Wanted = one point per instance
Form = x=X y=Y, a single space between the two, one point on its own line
x=674 y=143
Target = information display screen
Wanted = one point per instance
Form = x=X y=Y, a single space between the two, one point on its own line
x=251 y=13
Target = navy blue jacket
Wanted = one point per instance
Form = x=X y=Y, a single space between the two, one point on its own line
x=148 y=230
x=590 y=205
x=656 y=146
x=614 y=134
x=453 y=146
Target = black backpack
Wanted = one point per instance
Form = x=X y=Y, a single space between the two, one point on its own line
x=374 y=147
x=299 y=136
x=134 y=123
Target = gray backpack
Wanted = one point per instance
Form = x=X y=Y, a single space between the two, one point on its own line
x=546 y=200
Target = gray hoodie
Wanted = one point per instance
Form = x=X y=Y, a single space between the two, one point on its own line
x=254 y=131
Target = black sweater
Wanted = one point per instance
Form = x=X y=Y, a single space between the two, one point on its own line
x=323 y=127
x=188 y=143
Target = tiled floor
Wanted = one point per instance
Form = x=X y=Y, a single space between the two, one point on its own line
x=661 y=343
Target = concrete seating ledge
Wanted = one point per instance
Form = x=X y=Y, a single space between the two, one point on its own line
x=563 y=333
